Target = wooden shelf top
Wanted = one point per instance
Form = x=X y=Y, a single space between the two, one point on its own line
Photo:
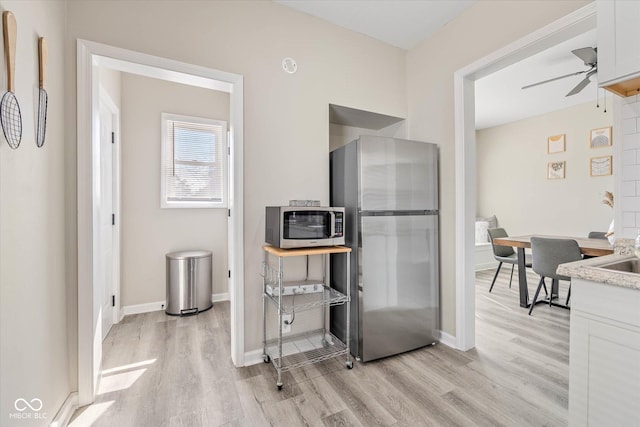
x=305 y=251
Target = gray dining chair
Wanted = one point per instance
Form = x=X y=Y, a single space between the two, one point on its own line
x=597 y=235
x=547 y=254
x=504 y=254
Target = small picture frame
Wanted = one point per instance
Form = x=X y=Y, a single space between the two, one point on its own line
x=601 y=166
x=555 y=170
x=600 y=137
x=555 y=144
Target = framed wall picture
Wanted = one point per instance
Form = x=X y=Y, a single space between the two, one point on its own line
x=600 y=137
x=555 y=144
x=555 y=170
x=601 y=166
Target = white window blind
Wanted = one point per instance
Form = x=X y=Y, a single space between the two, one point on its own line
x=194 y=162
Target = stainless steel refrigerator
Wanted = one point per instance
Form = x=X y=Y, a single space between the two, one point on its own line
x=389 y=188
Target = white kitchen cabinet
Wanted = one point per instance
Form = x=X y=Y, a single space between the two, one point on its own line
x=619 y=46
x=604 y=369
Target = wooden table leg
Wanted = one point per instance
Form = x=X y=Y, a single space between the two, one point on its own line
x=522 y=279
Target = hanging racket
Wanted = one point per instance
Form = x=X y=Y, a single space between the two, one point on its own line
x=9 y=109
x=43 y=53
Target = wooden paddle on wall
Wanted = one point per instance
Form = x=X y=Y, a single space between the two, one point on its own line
x=43 y=54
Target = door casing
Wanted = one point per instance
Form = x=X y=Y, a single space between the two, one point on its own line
x=578 y=22
x=90 y=56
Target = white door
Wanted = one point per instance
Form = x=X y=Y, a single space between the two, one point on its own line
x=230 y=203
x=107 y=234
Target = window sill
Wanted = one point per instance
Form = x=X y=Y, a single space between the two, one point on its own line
x=192 y=205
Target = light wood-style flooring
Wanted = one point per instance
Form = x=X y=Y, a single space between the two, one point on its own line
x=166 y=371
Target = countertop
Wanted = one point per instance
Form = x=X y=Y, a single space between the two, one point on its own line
x=589 y=269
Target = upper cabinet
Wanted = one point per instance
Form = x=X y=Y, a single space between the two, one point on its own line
x=619 y=46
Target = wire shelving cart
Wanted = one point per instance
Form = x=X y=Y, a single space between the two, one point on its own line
x=314 y=345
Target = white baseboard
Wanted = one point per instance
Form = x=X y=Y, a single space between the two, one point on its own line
x=220 y=297
x=448 y=340
x=160 y=305
x=143 y=308
x=253 y=357
x=66 y=411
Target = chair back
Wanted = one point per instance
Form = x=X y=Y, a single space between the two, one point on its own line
x=597 y=235
x=498 y=250
x=547 y=254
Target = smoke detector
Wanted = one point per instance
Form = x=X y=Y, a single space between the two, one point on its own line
x=289 y=65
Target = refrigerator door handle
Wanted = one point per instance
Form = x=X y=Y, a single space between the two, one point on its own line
x=400 y=213
x=333 y=224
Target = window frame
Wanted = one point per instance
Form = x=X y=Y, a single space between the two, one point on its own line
x=223 y=145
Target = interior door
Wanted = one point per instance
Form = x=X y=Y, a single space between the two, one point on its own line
x=231 y=205
x=106 y=233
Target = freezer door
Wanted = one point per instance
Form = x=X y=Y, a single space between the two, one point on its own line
x=397 y=175
x=398 y=284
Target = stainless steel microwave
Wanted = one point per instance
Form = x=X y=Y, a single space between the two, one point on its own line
x=289 y=227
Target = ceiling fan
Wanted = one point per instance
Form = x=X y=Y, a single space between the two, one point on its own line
x=590 y=58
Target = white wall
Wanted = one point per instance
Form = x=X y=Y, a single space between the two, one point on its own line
x=512 y=174
x=630 y=179
x=34 y=296
x=480 y=30
x=111 y=82
x=148 y=231
x=340 y=135
x=285 y=115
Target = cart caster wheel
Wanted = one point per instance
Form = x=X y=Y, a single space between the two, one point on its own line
x=266 y=358
x=349 y=365
x=279 y=387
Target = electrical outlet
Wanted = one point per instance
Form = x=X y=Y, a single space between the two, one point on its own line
x=286 y=328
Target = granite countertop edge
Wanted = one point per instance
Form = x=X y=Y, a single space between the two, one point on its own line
x=589 y=269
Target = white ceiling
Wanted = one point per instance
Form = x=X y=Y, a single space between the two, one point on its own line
x=401 y=23
x=499 y=97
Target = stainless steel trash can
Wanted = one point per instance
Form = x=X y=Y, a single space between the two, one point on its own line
x=188 y=282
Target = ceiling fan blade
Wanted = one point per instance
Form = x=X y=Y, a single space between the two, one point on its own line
x=588 y=54
x=582 y=84
x=555 y=78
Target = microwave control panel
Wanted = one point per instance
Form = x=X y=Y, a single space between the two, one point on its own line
x=339 y=221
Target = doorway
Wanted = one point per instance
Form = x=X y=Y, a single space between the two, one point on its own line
x=563 y=29
x=91 y=56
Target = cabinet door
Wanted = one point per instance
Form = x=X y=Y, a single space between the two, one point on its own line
x=606 y=41
x=618 y=40
x=604 y=378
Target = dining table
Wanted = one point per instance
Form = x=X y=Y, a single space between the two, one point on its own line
x=589 y=247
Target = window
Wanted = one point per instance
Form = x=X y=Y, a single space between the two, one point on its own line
x=194 y=162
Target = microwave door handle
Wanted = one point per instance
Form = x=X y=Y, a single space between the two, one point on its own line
x=333 y=224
